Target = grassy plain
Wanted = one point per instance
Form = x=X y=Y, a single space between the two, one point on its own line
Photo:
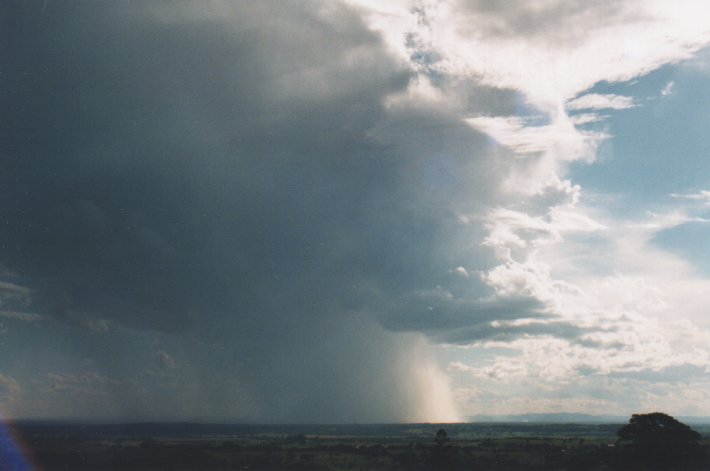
x=184 y=446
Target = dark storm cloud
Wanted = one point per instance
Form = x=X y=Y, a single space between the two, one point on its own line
x=438 y=311
x=509 y=332
x=9 y=387
x=144 y=151
x=227 y=177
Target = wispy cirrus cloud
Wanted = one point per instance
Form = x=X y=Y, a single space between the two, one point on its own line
x=702 y=196
x=596 y=101
x=668 y=89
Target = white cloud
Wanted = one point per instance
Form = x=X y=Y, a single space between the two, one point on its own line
x=596 y=101
x=561 y=138
x=586 y=118
x=668 y=89
x=550 y=51
x=545 y=217
x=642 y=325
x=701 y=196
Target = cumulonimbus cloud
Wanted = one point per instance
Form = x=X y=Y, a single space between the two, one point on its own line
x=276 y=209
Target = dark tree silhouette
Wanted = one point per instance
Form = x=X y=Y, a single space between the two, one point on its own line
x=441 y=459
x=657 y=441
x=441 y=437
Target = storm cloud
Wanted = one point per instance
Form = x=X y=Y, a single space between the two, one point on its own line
x=303 y=211
x=223 y=189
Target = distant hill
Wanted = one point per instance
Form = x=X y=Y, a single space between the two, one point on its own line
x=571 y=418
x=558 y=418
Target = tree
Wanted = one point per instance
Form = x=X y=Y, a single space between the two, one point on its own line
x=657 y=441
x=441 y=437
x=440 y=459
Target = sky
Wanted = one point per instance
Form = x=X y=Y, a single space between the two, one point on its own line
x=354 y=211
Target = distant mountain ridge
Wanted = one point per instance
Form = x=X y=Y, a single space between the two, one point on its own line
x=571 y=418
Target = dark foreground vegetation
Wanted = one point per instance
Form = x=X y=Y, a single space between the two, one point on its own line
x=645 y=443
